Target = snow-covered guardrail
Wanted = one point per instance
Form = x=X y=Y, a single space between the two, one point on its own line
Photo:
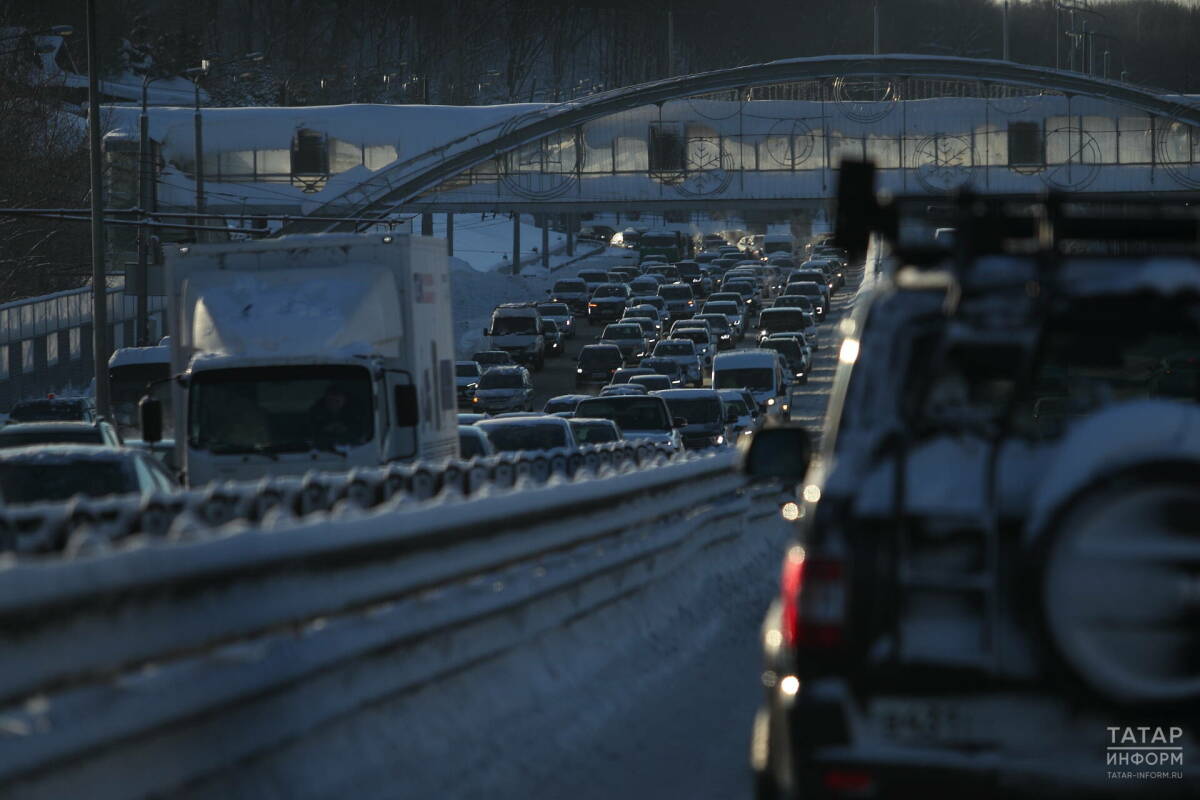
x=135 y=670
x=84 y=525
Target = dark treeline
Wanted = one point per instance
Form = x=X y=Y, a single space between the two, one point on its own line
x=482 y=51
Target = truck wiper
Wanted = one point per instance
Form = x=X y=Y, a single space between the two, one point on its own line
x=328 y=449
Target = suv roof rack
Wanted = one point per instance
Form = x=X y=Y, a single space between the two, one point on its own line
x=1048 y=226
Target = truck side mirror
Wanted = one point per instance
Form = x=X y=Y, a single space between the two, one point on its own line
x=779 y=452
x=150 y=413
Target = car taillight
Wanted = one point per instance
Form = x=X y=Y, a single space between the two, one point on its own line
x=813 y=600
x=592 y=305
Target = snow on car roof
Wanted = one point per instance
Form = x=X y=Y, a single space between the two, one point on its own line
x=686 y=394
x=62 y=453
x=158 y=354
x=745 y=358
x=526 y=421
x=48 y=426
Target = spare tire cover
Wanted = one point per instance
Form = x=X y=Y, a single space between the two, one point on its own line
x=1118 y=517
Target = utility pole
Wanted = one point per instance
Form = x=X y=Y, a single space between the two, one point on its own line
x=99 y=280
x=144 y=172
x=1006 y=30
x=875 y=27
x=516 y=266
x=670 y=42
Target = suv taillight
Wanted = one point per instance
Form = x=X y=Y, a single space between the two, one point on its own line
x=813 y=601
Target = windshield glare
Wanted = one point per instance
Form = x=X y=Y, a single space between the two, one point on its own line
x=632 y=414
x=280 y=409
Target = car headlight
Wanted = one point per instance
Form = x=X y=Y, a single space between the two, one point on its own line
x=579 y=372
x=724 y=336
x=720 y=440
x=770 y=401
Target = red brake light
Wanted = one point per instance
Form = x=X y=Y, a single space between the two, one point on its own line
x=849 y=782
x=813 y=601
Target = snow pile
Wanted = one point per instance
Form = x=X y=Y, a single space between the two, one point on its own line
x=474 y=294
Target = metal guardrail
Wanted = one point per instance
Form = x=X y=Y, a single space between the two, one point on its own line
x=134 y=672
x=87 y=526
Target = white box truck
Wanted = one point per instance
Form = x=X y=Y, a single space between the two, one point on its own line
x=315 y=352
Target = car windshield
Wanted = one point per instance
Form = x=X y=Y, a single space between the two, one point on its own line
x=696 y=410
x=31 y=481
x=492 y=358
x=675 y=349
x=630 y=413
x=717 y=322
x=721 y=308
x=595 y=359
x=793 y=301
x=725 y=297
x=569 y=286
x=501 y=380
x=19 y=438
x=555 y=406
x=610 y=291
x=280 y=409
x=694 y=334
x=525 y=436
x=749 y=377
x=783 y=319
x=554 y=310
x=675 y=292
x=47 y=411
x=653 y=383
x=789 y=347
x=622 y=332
x=465 y=370
x=810 y=289
x=593 y=277
x=736 y=405
x=663 y=366
x=509 y=326
x=593 y=432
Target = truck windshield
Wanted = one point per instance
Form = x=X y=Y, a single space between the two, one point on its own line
x=511 y=326
x=630 y=413
x=749 y=377
x=280 y=409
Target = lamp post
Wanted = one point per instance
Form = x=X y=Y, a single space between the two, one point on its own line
x=99 y=283
x=196 y=73
x=145 y=171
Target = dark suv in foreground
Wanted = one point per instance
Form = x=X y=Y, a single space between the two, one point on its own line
x=994 y=586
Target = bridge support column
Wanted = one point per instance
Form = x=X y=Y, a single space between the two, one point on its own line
x=546 y=241
x=570 y=226
x=427 y=224
x=450 y=233
x=516 y=250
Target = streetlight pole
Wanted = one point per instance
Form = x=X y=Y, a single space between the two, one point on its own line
x=1006 y=30
x=875 y=27
x=198 y=139
x=145 y=170
x=99 y=282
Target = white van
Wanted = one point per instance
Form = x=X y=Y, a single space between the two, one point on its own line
x=762 y=372
x=778 y=243
x=517 y=329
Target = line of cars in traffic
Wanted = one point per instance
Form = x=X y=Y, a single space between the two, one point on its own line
x=668 y=365
x=54 y=448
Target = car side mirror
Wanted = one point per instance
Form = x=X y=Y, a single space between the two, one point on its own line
x=679 y=422
x=780 y=452
x=150 y=413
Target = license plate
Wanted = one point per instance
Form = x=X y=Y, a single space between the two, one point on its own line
x=921 y=721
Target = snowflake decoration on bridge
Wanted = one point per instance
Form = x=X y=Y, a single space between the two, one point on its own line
x=943 y=162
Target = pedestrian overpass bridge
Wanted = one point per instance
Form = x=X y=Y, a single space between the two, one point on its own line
x=763 y=135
